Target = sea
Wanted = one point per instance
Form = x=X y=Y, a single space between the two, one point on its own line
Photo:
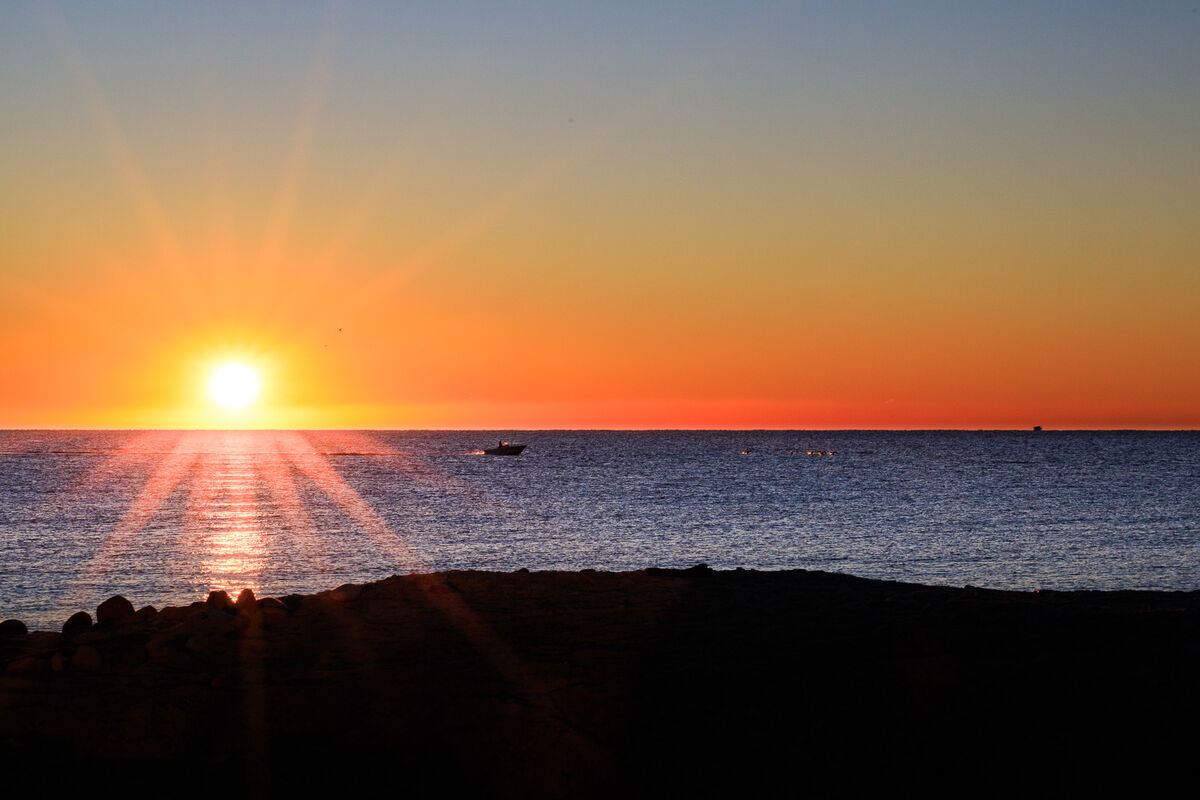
x=164 y=517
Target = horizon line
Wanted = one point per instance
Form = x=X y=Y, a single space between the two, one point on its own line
x=1025 y=429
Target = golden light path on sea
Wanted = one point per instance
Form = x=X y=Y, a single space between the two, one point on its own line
x=236 y=478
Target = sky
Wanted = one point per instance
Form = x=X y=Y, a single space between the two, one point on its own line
x=601 y=215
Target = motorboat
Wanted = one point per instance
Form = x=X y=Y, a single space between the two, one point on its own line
x=504 y=449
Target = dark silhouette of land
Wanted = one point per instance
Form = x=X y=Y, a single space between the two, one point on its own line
x=656 y=683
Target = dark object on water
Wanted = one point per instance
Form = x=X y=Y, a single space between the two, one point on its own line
x=1037 y=428
x=505 y=449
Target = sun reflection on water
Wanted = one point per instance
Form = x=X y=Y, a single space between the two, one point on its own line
x=226 y=512
x=251 y=509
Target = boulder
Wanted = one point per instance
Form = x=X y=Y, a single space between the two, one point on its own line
x=271 y=604
x=246 y=600
x=86 y=658
x=44 y=640
x=13 y=627
x=29 y=664
x=114 y=609
x=173 y=614
x=213 y=648
x=168 y=652
x=133 y=654
x=346 y=593
x=219 y=600
x=80 y=622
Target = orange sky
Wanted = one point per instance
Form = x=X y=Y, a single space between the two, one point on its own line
x=582 y=219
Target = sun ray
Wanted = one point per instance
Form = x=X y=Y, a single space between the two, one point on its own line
x=224 y=472
x=491 y=212
x=444 y=596
x=317 y=271
x=132 y=177
x=278 y=227
x=316 y=468
x=171 y=472
x=139 y=447
x=281 y=483
x=222 y=245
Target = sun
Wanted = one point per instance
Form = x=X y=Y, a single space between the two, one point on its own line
x=233 y=385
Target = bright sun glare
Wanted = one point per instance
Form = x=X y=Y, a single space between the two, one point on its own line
x=233 y=385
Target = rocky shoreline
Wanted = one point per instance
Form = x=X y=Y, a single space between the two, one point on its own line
x=576 y=684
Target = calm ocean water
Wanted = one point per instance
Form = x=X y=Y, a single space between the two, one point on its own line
x=164 y=516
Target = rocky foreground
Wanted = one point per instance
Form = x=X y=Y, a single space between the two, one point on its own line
x=664 y=683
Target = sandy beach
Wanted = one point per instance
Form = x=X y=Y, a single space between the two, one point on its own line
x=660 y=682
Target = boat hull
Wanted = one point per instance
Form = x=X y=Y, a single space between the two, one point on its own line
x=505 y=450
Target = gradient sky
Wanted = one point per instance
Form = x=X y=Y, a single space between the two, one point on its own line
x=782 y=215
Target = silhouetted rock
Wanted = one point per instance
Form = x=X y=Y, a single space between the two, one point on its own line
x=346 y=593
x=13 y=627
x=245 y=600
x=29 y=664
x=79 y=622
x=86 y=658
x=212 y=647
x=147 y=612
x=169 y=651
x=114 y=609
x=600 y=684
x=173 y=614
x=219 y=600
